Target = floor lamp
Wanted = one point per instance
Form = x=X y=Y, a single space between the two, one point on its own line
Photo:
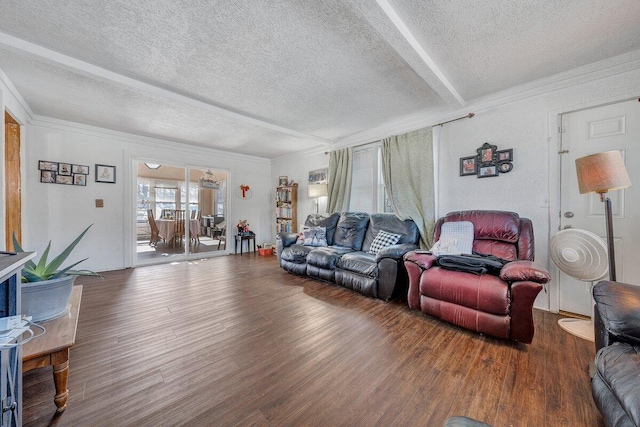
x=601 y=173
x=317 y=191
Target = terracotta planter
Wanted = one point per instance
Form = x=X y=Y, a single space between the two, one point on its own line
x=47 y=299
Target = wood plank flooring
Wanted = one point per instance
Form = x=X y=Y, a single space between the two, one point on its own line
x=237 y=341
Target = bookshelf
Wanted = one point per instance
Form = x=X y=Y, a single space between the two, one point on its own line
x=286 y=206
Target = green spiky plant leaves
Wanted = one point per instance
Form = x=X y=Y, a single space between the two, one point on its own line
x=32 y=272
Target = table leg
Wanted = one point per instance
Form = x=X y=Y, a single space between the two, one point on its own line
x=60 y=362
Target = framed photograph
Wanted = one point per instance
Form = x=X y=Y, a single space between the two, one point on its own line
x=283 y=181
x=79 y=179
x=64 y=179
x=44 y=165
x=84 y=170
x=468 y=166
x=47 y=176
x=487 y=171
x=505 y=155
x=318 y=176
x=106 y=173
x=486 y=154
x=64 y=169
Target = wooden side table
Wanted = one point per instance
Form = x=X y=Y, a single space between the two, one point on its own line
x=53 y=348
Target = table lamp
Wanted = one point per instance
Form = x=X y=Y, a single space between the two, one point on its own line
x=601 y=173
x=317 y=191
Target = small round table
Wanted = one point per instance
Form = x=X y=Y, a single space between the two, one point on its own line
x=244 y=237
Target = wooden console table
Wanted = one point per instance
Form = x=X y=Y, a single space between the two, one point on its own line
x=53 y=348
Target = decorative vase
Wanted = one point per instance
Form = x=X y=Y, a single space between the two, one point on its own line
x=47 y=299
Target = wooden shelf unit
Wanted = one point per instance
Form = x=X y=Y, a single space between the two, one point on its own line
x=286 y=209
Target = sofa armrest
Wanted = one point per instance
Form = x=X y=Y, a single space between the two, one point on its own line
x=423 y=260
x=617 y=313
x=520 y=271
x=284 y=240
x=395 y=251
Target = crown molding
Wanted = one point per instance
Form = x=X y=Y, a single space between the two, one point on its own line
x=4 y=80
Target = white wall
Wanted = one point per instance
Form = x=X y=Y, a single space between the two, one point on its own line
x=60 y=212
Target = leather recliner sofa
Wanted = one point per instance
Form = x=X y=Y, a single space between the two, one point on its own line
x=616 y=383
x=500 y=306
x=345 y=260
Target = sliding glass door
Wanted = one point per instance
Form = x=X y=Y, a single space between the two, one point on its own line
x=180 y=212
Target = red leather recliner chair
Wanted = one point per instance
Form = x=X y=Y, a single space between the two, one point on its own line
x=498 y=306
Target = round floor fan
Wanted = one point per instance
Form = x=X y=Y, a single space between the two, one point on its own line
x=583 y=255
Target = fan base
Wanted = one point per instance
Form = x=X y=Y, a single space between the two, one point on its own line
x=578 y=327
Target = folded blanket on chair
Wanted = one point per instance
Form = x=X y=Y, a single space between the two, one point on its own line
x=476 y=264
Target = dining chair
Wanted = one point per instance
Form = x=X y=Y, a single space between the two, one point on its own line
x=153 y=240
x=178 y=217
x=223 y=237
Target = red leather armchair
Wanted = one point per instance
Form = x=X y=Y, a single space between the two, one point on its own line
x=500 y=306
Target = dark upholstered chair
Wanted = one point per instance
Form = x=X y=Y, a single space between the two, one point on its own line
x=616 y=382
x=500 y=306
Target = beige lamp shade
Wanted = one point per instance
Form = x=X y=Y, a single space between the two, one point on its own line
x=317 y=190
x=602 y=172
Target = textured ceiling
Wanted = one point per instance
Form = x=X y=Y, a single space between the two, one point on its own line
x=273 y=77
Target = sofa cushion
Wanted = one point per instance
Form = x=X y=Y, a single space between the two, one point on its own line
x=487 y=225
x=617 y=366
x=326 y=257
x=382 y=240
x=359 y=262
x=328 y=221
x=351 y=229
x=390 y=223
x=296 y=253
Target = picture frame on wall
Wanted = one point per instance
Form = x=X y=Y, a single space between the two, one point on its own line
x=487 y=171
x=44 y=165
x=468 y=166
x=505 y=155
x=47 y=176
x=283 y=181
x=79 y=179
x=64 y=179
x=64 y=169
x=106 y=174
x=318 y=176
x=80 y=169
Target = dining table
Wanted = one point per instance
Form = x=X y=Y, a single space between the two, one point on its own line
x=167 y=228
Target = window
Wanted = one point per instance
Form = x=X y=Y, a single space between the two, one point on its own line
x=367 y=185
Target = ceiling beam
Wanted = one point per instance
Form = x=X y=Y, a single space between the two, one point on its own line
x=394 y=31
x=87 y=68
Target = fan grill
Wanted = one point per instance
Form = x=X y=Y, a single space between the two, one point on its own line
x=580 y=254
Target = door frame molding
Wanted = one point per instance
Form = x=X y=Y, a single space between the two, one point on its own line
x=554 y=139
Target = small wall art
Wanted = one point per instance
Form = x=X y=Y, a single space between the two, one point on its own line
x=106 y=174
x=62 y=173
x=488 y=162
x=318 y=176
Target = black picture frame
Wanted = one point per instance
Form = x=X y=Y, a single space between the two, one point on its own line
x=487 y=171
x=64 y=169
x=505 y=155
x=283 y=181
x=468 y=165
x=45 y=165
x=80 y=169
x=79 y=179
x=47 y=176
x=106 y=174
x=64 y=179
x=505 y=167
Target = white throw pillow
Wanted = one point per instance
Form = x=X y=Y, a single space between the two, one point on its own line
x=456 y=237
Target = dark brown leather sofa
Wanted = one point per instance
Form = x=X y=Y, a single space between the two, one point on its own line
x=616 y=383
x=500 y=306
x=346 y=260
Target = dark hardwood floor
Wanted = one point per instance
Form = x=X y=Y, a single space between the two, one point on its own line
x=237 y=341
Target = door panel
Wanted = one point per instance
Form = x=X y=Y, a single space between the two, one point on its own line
x=611 y=127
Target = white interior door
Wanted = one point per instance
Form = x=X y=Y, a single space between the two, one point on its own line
x=611 y=127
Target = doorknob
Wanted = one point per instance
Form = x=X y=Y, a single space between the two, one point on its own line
x=568 y=214
x=566 y=227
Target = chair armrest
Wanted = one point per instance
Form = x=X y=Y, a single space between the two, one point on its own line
x=520 y=271
x=415 y=262
x=395 y=251
x=423 y=260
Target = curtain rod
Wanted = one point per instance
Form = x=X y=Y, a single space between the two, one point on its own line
x=468 y=116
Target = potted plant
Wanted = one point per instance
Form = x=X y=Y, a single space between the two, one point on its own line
x=46 y=289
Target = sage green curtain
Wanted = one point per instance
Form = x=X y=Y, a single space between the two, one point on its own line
x=340 y=173
x=407 y=168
